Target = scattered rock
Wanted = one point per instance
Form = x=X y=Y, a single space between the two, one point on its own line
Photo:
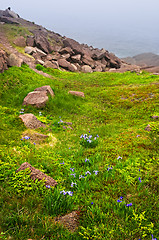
x=20 y=41
x=37 y=174
x=9 y=20
x=76 y=58
x=70 y=221
x=30 y=121
x=75 y=46
x=13 y=60
x=39 y=61
x=36 y=98
x=86 y=69
x=66 y=50
x=3 y=61
x=46 y=88
x=79 y=94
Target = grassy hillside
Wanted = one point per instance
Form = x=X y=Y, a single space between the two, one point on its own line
x=117 y=197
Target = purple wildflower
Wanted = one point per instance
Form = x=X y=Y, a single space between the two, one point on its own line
x=89 y=141
x=90 y=136
x=72 y=169
x=81 y=136
x=153 y=238
x=80 y=176
x=48 y=186
x=73 y=184
x=139 y=179
x=109 y=168
x=119 y=157
x=88 y=173
x=128 y=205
x=97 y=136
x=86 y=160
x=91 y=203
x=138 y=136
x=96 y=172
x=63 y=191
x=62 y=163
x=119 y=200
x=73 y=174
x=70 y=193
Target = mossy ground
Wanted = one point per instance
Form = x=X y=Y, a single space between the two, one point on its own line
x=117 y=107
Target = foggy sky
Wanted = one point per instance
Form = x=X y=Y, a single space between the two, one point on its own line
x=94 y=22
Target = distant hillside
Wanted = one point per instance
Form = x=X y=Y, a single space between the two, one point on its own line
x=144 y=60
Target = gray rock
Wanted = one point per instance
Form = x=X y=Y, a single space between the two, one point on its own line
x=66 y=56
x=66 y=50
x=13 y=60
x=30 y=121
x=75 y=46
x=9 y=20
x=86 y=69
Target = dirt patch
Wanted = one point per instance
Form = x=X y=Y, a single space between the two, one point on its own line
x=70 y=221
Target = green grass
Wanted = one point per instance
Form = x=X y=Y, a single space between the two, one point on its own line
x=117 y=107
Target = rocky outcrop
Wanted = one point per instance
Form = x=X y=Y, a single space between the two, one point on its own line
x=3 y=61
x=30 y=121
x=39 y=97
x=36 y=174
x=54 y=51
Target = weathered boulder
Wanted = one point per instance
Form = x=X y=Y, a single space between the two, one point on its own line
x=36 y=98
x=98 y=69
x=51 y=64
x=3 y=61
x=20 y=41
x=30 y=121
x=86 y=69
x=66 y=56
x=86 y=59
x=46 y=88
x=30 y=41
x=66 y=50
x=76 y=58
x=39 y=61
x=30 y=50
x=9 y=20
x=13 y=60
x=74 y=45
x=76 y=93
x=37 y=174
x=42 y=43
x=63 y=63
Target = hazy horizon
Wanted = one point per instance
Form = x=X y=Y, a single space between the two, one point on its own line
x=122 y=27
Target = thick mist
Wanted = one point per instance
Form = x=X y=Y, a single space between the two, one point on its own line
x=124 y=27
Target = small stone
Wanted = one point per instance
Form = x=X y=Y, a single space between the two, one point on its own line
x=79 y=94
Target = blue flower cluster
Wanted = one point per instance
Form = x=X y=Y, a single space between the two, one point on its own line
x=121 y=199
x=67 y=192
x=89 y=140
x=25 y=138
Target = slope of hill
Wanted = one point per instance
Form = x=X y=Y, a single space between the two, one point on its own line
x=147 y=61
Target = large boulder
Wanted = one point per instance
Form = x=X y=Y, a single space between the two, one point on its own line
x=75 y=46
x=9 y=20
x=51 y=64
x=36 y=98
x=13 y=60
x=30 y=41
x=86 y=69
x=36 y=174
x=46 y=88
x=30 y=50
x=42 y=43
x=3 y=61
x=76 y=58
x=20 y=41
x=86 y=59
x=30 y=121
x=66 y=50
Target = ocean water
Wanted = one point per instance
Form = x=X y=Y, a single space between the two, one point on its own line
x=121 y=43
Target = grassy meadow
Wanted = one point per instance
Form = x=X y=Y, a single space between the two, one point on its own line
x=109 y=176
